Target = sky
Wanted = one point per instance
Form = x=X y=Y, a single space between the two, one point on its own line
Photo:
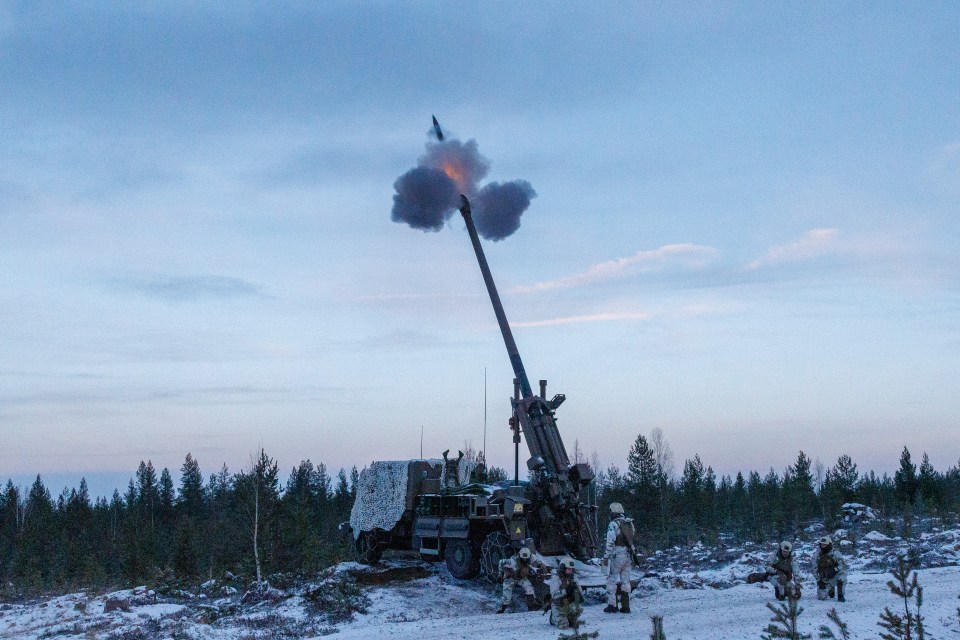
x=744 y=233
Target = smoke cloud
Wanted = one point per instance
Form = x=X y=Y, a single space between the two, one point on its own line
x=498 y=207
x=427 y=195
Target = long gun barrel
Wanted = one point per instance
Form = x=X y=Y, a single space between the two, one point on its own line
x=559 y=482
x=518 y=371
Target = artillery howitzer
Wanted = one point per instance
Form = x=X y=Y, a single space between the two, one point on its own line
x=419 y=505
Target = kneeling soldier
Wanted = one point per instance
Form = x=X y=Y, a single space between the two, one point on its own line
x=566 y=597
x=517 y=570
x=782 y=572
x=831 y=571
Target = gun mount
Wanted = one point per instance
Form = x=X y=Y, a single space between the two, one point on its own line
x=559 y=522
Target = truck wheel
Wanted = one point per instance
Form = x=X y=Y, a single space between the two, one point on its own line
x=463 y=559
x=496 y=547
x=368 y=548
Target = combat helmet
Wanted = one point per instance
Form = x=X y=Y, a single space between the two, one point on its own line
x=616 y=509
x=524 y=554
x=786 y=547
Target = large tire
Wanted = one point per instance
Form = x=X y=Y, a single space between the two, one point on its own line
x=496 y=547
x=368 y=547
x=463 y=559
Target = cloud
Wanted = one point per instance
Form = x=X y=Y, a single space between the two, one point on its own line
x=598 y=317
x=684 y=255
x=189 y=288
x=814 y=243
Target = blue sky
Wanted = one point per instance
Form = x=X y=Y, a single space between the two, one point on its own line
x=745 y=231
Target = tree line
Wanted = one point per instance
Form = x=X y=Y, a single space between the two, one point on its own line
x=697 y=505
x=249 y=524
x=244 y=523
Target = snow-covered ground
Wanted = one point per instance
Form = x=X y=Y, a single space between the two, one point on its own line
x=698 y=590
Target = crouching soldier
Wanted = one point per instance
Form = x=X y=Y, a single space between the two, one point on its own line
x=782 y=572
x=618 y=557
x=831 y=571
x=566 y=597
x=517 y=570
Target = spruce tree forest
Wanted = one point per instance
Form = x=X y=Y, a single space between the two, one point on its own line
x=252 y=524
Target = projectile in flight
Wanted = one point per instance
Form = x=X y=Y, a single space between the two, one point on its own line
x=436 y=129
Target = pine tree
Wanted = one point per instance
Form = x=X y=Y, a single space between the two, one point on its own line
x=657 y=628
x=783 y=624
x=905 y=480
x=826 y=633
x=908 y=626
x=798 y=490
x=641 y=484
x=928 y=484
x=33 y=558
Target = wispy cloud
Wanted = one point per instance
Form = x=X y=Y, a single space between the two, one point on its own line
x=684 y=255
x=188 y=288
x=597 y=317
x=814 y=243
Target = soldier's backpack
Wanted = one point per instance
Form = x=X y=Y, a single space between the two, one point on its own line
x=626 y=534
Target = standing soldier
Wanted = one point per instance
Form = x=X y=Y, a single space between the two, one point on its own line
x=517 y=570
x=566 y=597
x=831 y=571
x=618 y=558
x=782 y=572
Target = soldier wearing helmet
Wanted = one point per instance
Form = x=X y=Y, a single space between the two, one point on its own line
x=517 y=571
x=782 y=572
x=831 y=570
x=566 y=597
x=619 y=558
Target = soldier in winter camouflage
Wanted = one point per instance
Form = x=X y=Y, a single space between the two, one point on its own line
x=831 y=571
x=517 y=570
x=619 y=559
x=566 y=597
x=782 y=572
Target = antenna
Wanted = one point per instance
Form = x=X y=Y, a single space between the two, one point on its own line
x=421 y=442
x=485 y=415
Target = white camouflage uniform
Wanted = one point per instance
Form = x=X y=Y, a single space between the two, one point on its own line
x=562 y=608
x=823 y=565
x=517 y=573
x=779 y=566
x=619 y=561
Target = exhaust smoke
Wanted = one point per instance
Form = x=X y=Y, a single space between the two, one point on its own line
x=427 y=195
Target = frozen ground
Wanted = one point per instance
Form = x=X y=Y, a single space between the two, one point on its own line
x=699 y=591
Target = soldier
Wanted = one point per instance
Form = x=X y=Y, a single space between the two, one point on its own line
x=566 y=597
x=517 y=570
x=782 y=572
x=619 y=558
x=831 y=571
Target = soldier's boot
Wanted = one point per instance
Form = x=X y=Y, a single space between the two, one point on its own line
x=503 y=607
x=840 y=597
x=624 y=602
x=532 y=604
x=610 y=609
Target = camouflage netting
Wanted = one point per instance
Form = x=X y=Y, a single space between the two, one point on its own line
x=382 y=493
x=381 y=496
